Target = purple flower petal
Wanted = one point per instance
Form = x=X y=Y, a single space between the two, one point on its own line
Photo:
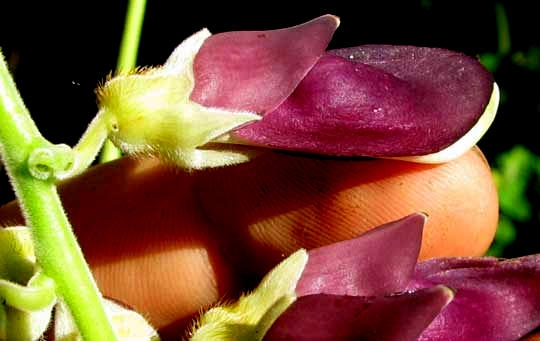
x=494 y=301
x=378 y=101
x=257 y=70
x=436 y=265
x=331 y=317
x=379 y=262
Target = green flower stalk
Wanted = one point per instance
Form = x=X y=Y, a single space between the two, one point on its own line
x=27 y=298
x=32 y=164
x=127 y=59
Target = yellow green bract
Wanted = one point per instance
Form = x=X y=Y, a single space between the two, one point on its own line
x=252 y=315
x=26 y=295
x=27 y=298
x=149 y=112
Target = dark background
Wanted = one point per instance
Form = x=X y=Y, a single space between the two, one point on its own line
x=59 y=51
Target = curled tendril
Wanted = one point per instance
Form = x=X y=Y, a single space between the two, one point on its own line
x=50 y=162
x=38 y=294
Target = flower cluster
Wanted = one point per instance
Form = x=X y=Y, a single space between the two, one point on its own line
x=372 y=288
x=220 y=99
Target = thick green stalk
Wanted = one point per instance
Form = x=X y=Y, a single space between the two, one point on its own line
x=129 y=47
x=57 y=251
x=127 y=58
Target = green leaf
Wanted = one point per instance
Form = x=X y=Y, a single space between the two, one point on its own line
x=491 y=61
x=512 y=176
x=506 y=234
x=529 y=59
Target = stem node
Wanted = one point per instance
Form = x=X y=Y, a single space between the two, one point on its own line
x=49 y=163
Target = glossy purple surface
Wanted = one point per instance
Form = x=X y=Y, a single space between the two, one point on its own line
x=378 y=100
x=346 y=287
x=257 y=70
x=338 y=318
x=379 y=262
x=495 y=300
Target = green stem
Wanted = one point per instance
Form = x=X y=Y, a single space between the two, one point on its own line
x=127 y=59
x=109 y=152
x=57 y=251
x=88 y=147
x=503 y=30
x=129 y=47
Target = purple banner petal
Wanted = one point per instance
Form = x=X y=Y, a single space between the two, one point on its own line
x=496 y=303
x=257 y=70
x=435 y=265
x=339 y=318
x=379 y=262
x=378 y=101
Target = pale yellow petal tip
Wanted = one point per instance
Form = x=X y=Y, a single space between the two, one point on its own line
x=182 y=57
x=282 y=279
x=468 y=140
x=127 y=324
x=337 y=20
x=449 y=293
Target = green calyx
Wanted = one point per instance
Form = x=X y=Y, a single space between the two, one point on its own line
x=150 y=112
x=252 y=315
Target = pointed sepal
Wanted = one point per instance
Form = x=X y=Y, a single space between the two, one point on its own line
x=378 y=262
x=257 y=70
x=250 y=317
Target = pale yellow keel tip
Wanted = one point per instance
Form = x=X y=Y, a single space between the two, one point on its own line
x=467 y=141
